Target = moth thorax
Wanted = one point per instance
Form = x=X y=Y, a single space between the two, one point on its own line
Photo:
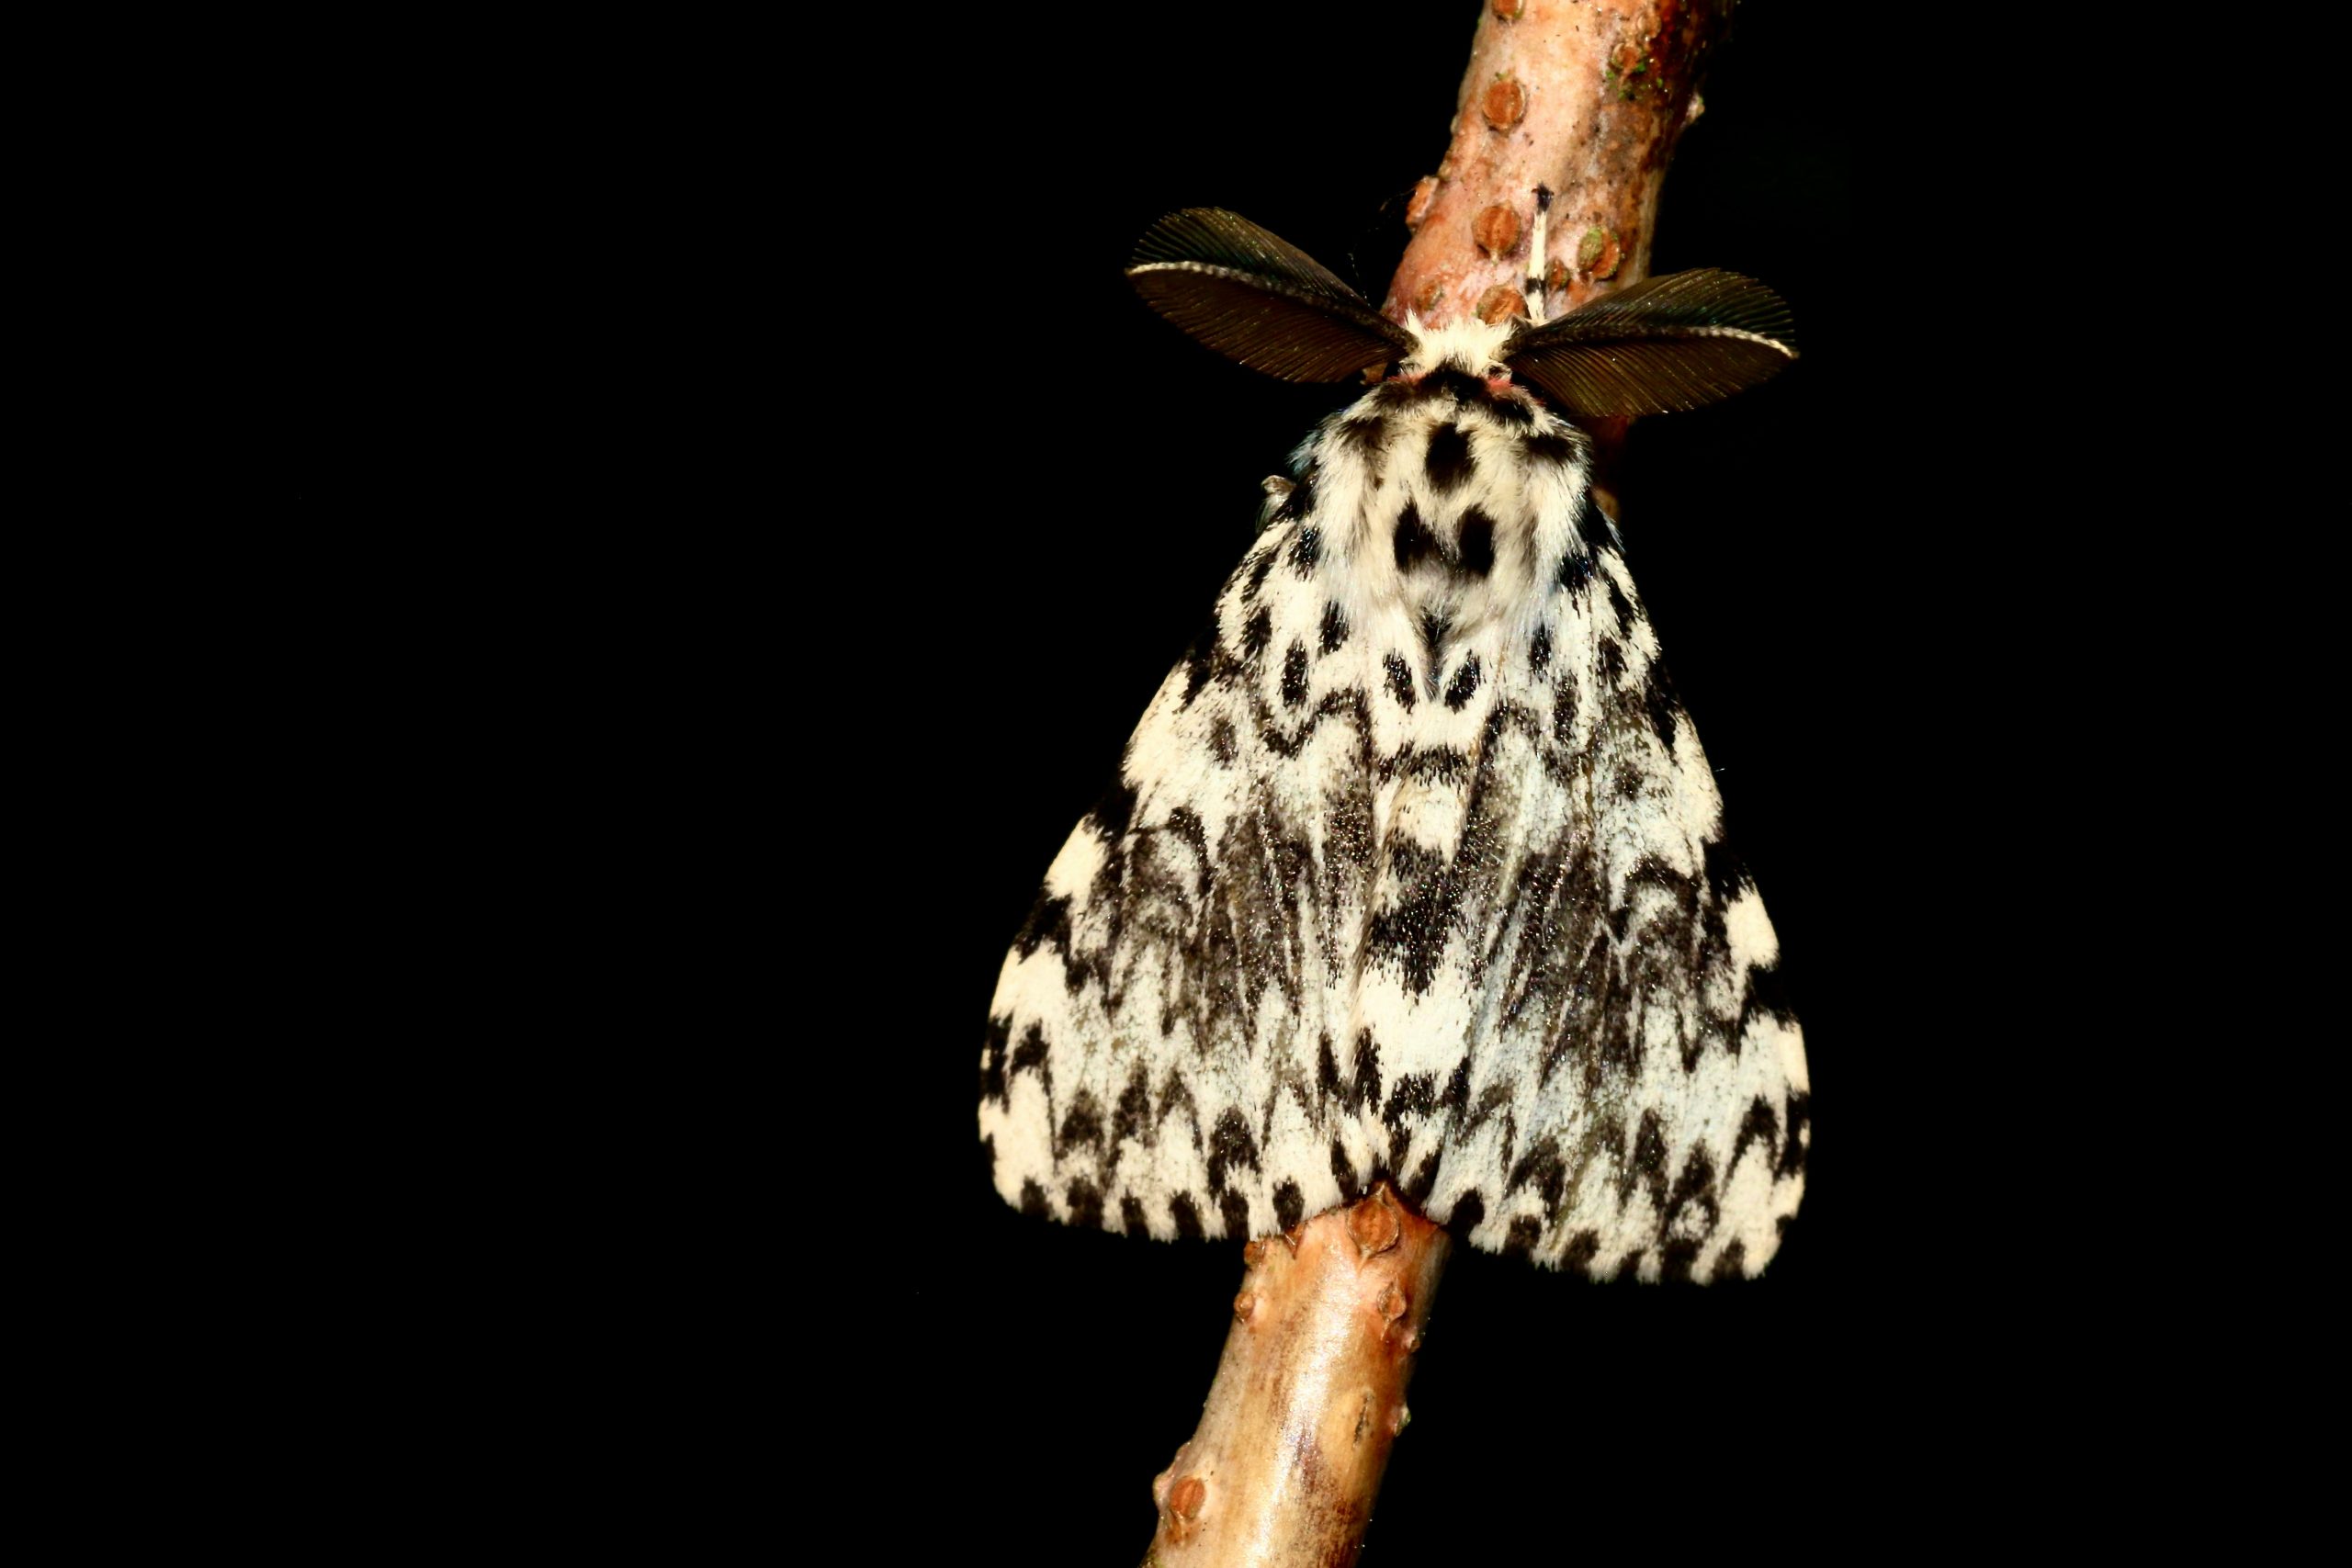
x=1471 y=346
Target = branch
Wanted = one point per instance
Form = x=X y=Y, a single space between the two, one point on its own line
x=1310 y=1394
x=1586 y=98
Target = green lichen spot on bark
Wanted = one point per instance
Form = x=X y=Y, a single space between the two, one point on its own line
x=1633 y=70
x=1599 y=254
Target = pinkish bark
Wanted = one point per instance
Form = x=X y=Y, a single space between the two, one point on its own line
x=1585 y=97
x=1310 y=1394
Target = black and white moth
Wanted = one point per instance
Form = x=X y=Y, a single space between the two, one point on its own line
x=1414 y=869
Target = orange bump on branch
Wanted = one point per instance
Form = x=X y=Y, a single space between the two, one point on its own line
x=1505 y=104
x=1416 y=210
x=1499 y=302
x=1496 y=230
x=1599 y=253
x=1374 y=1224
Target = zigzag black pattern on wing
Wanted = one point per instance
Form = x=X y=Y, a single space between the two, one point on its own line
x=1542 y=999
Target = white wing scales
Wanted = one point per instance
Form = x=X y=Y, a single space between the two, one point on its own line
x=1414 y=870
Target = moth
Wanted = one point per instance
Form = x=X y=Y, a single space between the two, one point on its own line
x=1414 y=869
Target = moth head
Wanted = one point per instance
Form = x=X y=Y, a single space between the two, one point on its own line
x=1677 y=341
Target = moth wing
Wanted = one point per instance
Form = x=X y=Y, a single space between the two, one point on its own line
x=1633 y=1101
x=1159 y=1043
x=1566 y=1035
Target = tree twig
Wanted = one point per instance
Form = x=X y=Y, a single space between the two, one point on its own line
x=1585 y=99
x=1310 y=1394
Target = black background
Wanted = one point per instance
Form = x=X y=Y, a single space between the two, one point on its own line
x=800 y=524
